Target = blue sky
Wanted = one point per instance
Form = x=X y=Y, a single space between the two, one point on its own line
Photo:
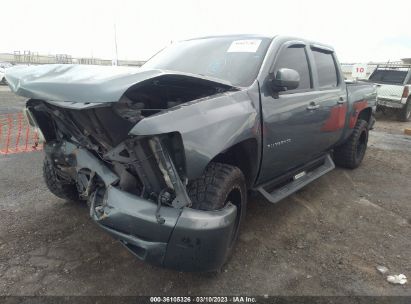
x=360 y=31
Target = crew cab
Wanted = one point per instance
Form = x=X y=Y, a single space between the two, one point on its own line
x=165 y=155
x=393 y=89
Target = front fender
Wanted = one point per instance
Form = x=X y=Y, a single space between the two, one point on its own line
x=207 y=126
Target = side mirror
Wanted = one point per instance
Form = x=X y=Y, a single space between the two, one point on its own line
x=286 y=79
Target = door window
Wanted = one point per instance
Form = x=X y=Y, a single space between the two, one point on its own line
x=326 y=71
x=295 y=57
x=388 y=76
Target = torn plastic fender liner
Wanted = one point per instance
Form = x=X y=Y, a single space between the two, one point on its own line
x=165 y=162
x=191 y=240
x=207 y=126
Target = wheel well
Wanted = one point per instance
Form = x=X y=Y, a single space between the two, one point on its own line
x=365 y=114
x=243 y=155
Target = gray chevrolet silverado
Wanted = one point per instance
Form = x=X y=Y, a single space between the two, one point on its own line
x=165 y=155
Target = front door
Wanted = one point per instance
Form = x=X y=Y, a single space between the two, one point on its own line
x=292 y=120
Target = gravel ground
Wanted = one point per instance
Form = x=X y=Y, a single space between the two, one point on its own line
x=327 y=239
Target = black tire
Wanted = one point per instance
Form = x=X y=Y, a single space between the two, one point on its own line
x=351 y=153
x=219 y=185
x=381 y=109
x=58 y=186
x=405 y=113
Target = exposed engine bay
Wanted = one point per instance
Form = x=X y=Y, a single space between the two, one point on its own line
x=151 y=167
x=151 y=97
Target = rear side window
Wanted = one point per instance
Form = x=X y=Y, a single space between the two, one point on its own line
x=295 y=58
x=327 y=73
x=388 y=76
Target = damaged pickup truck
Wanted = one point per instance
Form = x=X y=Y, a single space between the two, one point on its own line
x=166 y=154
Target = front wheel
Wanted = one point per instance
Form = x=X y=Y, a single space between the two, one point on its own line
x=58 y=183
x=219 y=186
x=351 y=153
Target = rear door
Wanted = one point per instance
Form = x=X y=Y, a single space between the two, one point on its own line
x=331 y=96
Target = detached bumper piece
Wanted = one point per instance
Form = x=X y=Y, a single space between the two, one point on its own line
x=187 y=240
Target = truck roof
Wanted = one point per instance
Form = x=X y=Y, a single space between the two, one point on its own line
x=242 y=36
x=256 y=36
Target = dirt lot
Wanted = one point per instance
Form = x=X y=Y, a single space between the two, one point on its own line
x=325 y=240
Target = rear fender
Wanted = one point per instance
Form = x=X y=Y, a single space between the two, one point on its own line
x=360 y=110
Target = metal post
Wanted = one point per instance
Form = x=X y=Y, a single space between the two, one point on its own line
x=115 y=44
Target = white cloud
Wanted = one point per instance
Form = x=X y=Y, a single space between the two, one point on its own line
x=359 y=30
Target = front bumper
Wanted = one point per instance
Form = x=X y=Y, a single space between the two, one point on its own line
x=390 y=103
x=174 y=237
x=188 y=240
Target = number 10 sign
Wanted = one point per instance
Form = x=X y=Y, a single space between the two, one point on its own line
x=359 y=70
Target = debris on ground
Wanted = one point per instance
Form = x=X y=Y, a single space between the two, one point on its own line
x=382 y=269
x=397 y=279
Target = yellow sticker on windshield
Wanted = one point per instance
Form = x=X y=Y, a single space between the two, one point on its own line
x=244 y=46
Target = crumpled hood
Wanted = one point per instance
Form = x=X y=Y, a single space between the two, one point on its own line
x=85 y=83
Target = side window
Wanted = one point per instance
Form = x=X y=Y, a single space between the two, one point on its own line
x=326 y=71
x=295 y=58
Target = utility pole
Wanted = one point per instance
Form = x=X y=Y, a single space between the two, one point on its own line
x=115 y=44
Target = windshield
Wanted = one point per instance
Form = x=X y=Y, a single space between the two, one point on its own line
x=389 y=76
x=235 y=60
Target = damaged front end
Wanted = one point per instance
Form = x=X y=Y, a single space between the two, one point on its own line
x=135 y=184
x=144 y=204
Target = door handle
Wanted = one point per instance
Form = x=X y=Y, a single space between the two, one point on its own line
x=341 y=100
x=313 y=106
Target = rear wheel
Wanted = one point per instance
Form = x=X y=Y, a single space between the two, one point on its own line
x=219 y=186
x=405 y=113
x=58 y=183
x=351 y=153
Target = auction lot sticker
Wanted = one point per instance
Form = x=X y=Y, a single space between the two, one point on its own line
x=244 y=46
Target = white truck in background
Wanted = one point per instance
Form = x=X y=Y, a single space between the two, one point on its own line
x=3 y=67
x=393 y=89
x=2 y=78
